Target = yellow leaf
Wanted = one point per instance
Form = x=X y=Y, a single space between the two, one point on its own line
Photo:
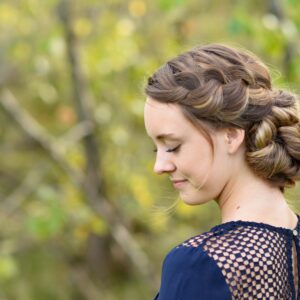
x=125 y=27
x=8 y=14
x=98 y=225
x=140 y=191
x=159 y=221
x=137 y=8
x=8 y=267
x=82 y=27
x=184 y=210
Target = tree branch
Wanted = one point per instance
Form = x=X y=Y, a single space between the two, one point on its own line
x=12 y=202
x=102 y=207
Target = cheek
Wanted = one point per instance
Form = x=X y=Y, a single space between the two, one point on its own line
x=197 y=162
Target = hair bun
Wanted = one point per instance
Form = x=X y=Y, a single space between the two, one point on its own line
x=274 y=143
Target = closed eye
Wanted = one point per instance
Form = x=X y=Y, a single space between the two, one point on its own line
x=170 y=150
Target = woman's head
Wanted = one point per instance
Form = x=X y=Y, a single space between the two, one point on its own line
x=186 y=155
x=218 y=87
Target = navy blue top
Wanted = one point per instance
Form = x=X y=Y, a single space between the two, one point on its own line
x=234 y=260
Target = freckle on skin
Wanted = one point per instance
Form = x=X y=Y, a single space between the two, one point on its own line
x=238 y=207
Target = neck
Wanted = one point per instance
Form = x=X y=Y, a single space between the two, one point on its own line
x=253 y=199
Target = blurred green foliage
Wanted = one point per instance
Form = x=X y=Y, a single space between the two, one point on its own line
x=46 y=219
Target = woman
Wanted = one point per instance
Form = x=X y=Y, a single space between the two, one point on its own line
x=223 y=132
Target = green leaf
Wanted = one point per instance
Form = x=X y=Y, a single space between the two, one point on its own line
x=167 y=5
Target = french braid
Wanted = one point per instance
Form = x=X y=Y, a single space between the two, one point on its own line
x=227 y=87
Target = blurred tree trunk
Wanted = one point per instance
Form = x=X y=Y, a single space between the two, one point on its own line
x=276 y=8
x=99 y=258
x=102 y=256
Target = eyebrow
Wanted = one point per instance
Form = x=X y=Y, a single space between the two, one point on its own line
x=164 y=136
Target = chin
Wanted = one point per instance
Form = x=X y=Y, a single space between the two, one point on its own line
x=189 y=200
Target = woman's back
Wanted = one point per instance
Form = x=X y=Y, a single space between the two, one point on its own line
x=234 y=260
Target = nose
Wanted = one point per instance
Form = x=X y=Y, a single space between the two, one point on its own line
x=163 y=165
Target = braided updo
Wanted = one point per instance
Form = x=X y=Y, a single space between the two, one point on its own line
x=227 y=87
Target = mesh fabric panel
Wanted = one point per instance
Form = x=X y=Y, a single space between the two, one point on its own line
x=253 y=260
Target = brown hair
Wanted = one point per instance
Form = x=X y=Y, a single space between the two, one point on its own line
x=221 y=87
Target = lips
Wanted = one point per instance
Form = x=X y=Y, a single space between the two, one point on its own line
x=178 y=183
x=178 y=180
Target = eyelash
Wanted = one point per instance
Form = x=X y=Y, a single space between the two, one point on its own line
x=170 y=150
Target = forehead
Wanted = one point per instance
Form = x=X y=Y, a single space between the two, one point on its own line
x=164 y=118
